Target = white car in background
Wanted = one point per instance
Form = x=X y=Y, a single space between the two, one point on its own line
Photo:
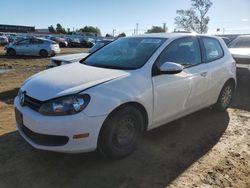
x=72 y=58
x=66 y=59
x=33 y=46
x=134 y=84
x=240 y=49
x=3 y=40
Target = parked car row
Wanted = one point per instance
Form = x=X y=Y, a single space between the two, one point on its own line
x=63 y=41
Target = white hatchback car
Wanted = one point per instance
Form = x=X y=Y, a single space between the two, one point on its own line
x=134 y=84
x=33 y=46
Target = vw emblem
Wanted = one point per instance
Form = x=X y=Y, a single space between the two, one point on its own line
x=22 y=96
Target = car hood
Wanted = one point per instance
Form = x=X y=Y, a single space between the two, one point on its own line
x=240 y=52
x=70 y=57
x=68 y=79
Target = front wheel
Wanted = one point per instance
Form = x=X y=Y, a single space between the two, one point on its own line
x=119 y=135
x=11 y=52
x=225 y=97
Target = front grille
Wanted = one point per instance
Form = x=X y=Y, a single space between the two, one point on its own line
x=32 y=103
x=43 y=139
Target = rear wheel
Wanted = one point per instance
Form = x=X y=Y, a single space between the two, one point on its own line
x=44 y=53
x=11 y=52
x=226 y=96
x=120 y=132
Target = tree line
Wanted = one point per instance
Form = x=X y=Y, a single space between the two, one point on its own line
x=193 y=19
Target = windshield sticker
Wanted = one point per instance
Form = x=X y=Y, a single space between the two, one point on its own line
x=152 y=41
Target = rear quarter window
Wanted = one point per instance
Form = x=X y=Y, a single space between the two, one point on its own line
x=213 y=49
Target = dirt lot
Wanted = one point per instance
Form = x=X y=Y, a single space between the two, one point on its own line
x=205 y=149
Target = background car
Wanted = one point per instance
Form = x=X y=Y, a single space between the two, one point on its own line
x=33 y=46
x=73 y=42
x=61 y=41
x=226 y=40
x=3 y=40
x=86 y=42
x=66 y=59
x=240 y=49
x=99 y=44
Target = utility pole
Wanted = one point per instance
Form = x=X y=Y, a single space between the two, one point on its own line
x=113 y=32
x=137 y=28
x=164 y=27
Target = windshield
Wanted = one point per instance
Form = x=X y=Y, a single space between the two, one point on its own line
x=124 y=53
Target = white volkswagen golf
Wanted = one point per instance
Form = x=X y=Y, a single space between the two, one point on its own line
x=133 y=84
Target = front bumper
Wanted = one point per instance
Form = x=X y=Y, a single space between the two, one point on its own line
x=60 y=126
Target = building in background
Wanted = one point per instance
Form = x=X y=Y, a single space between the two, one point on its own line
x=16 y=29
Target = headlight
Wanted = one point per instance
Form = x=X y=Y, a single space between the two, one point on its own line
x=65 y=105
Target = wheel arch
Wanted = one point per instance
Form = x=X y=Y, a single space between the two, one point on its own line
x=137 y=105
x=231 y=80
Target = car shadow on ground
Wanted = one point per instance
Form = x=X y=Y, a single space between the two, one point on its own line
x=8 y=96
x=162 y=154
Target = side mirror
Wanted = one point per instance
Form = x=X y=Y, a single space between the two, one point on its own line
x=170 y=68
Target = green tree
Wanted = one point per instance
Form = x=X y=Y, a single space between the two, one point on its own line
x=90 y=29
x=108 y=35
x=122 y=34
x=60 y=29
x=194 y=19
x=156 y=29
x=51 y=29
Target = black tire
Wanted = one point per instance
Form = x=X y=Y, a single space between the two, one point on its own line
x=44 y=53
x=11 y=52
x=120 y=132
x=225 y=97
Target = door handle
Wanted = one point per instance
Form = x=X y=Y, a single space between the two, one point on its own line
x=203 y=74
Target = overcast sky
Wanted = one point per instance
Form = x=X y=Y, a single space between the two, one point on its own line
x=122 y=15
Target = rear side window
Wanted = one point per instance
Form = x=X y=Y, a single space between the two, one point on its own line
x=213 y=49
x=23 y=42
x=185 y=51
x=36 y=41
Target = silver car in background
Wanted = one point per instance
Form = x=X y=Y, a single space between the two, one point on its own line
x=33 y=46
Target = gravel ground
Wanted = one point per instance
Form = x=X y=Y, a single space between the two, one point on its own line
x=204 y=149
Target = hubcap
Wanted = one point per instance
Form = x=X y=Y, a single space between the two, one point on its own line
x=125 y=132
x=226 y=96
